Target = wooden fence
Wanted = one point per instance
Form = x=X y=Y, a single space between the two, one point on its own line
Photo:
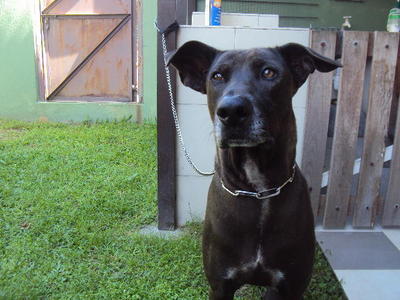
x=349 y=197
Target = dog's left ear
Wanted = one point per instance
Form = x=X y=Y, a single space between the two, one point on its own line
x=193 y=60
x=303 y=61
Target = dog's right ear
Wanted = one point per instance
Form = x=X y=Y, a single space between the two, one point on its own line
x=193 y=60
x=303 y=61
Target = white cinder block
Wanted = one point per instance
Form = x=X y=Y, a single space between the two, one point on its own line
x=300 y=99
x=258 y=37
x=240 y=19
x=192 y=198
x=300 y=114
x=211 y=36
x=185 y=95
x=198 y=18
x=218 y=36
x=268 y=21
x=246 y=20
x=197 y=130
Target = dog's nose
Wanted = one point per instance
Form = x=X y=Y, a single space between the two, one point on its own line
x=233 y=110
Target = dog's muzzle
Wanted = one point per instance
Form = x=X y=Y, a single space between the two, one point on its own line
x=236 y=124
x=234 y=111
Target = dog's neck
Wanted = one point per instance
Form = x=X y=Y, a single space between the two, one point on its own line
x=257 y=168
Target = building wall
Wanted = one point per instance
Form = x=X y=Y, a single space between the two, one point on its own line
x=366 y=15
x=19 y=97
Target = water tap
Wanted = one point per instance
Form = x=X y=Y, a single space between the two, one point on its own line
x=346 y=24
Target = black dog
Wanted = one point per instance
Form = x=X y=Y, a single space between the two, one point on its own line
x=259 y=226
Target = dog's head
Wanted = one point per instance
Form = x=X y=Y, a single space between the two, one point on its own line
x=249 y=91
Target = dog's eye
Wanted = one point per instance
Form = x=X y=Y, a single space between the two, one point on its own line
x=218 y=76
x=268 y=73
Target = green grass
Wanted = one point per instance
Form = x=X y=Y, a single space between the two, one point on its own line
x=72 y=199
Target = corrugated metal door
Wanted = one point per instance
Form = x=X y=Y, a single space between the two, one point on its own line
x=87 y=50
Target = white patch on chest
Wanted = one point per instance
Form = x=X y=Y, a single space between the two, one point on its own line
x=259 y=258
x=254 y=175
x=231 y=273
x=259 y=181
x=276 y=275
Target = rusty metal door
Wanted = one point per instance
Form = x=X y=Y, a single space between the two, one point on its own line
x=88 y=50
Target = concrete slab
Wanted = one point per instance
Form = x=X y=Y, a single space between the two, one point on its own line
x=152 y=230
x=394 y=236
x=370 y=285
x=359 y=250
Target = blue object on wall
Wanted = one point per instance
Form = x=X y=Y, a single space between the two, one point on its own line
x=215 y=12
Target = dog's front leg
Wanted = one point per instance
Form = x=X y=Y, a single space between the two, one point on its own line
x=276 y=294
x=224 y=290
x=272 y=294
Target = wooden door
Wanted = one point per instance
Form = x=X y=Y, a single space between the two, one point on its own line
x=87 y=50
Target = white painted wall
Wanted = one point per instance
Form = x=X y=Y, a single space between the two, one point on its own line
x=194 y=118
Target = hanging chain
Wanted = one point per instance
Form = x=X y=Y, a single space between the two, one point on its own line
x=174 y=113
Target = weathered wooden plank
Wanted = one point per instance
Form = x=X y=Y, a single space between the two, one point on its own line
x=370 y=44
x=166 y=135
x=380 y=97
x=63 y=68
x=89 y=7
x=137 y=54
x=66 y=51
x=355 y=46
x=391 y=211
x=39 y=53
x=350 y=209
x=322 y=201
x=165 y=126
x=106 y=72
x=317 y=116
x=395 y=101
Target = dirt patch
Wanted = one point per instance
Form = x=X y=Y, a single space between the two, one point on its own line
x=10 y=134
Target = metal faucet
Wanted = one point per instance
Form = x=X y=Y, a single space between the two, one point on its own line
x=346 y=24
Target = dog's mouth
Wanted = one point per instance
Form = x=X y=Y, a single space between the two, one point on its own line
x=245 y=142
x=247 y=135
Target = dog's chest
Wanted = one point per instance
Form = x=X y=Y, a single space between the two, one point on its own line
x=254 y=175
x=260 y=182
x=256 y=263
x=255 y=267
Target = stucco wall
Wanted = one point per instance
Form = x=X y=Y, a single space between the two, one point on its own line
x=18 y=82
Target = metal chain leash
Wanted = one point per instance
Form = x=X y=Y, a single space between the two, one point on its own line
x=175 y=114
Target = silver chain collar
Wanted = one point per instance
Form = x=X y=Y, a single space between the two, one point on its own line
x=266 y=194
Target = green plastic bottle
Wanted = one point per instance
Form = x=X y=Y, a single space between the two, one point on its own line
x=393 y=24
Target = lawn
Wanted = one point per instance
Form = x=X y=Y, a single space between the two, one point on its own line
x=72 y=201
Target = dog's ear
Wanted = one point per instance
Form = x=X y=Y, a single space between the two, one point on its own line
x=193 y=60
x=303 y=61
